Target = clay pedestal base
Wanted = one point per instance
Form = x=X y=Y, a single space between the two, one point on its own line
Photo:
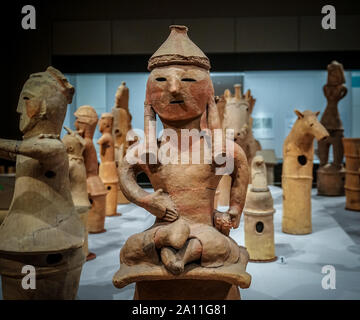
x=296 y=217
x=259 y=237
x=96 y=216
x=186 y=290
x=330 y=182
x=111 y=199
x=156 y=282
x=57 y=275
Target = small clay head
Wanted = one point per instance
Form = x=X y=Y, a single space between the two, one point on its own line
x=106 y=122
x=122 y=96
x=86 y=119
x=258 y=172
x=179 y=86
x=335 y=74
x=74 y=143
x=44 y=98
x=311 y=125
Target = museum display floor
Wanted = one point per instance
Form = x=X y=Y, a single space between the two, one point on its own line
x=335 y=241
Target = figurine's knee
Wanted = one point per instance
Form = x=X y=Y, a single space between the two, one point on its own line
x=139 y=248
x=173 y=235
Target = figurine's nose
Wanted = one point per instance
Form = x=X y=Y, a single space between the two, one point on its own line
x=174 y=86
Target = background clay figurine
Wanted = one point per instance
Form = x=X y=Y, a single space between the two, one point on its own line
x=352 y=179
x=188 y=243
x=331 y=176
x=297 y=174
x=235 y=113
x=122 y=124
x=85 y=124
x=107 y=169
x=42 y=227
x=259 y=215
x=75 y=146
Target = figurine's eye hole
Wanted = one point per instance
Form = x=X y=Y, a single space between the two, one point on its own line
x=311 y=124
x=188 y=80
x=247 y=109
x=26 y=98
x=160 y=79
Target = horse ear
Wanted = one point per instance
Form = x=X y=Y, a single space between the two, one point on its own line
x=317 y=113
x=227 y=94
x=299 y=114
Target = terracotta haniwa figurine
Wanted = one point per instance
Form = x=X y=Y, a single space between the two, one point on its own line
x=75 y=146
x=122 y=124
x=259 y=215
x=187 y=253
x=235 y=113
x=297 y=176
x=331 y=176
x=107 y=169
x=85 y=124
x=352 y=179
x=42 y=228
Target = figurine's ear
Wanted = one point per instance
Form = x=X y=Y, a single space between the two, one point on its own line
x=299 y=114
x=210 y=118
x=227 y=94
x=33 y=108
x=317 y=113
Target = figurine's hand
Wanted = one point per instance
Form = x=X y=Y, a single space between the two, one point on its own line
x=223 y=223
x=160 y=204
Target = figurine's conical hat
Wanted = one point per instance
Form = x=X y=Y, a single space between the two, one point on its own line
x=178 y=49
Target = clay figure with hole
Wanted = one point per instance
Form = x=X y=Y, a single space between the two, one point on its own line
x=42 y=228
x=297 y=174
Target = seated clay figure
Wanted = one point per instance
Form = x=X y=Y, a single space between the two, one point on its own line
x=42 y=228
x=188 y=239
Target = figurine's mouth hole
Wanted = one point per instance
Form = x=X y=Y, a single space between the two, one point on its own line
x=177 y=102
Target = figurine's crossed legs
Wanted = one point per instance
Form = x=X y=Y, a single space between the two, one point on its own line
x=176 y=248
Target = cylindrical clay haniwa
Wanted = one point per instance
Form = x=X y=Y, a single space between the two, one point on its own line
x=85 y=124
x=259 y=212
x=121 y=126
x=42 y=230
x=107 y=169
x=352 y=179
x=75 y=146
x=298 y=155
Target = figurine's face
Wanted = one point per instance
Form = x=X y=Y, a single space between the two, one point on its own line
x=335 y=76
x=105 y=124
x=39 y=100
x=179 y=92
x=80 y=126
x=73 y=145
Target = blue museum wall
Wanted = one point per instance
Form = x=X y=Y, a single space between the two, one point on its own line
x=277 y=94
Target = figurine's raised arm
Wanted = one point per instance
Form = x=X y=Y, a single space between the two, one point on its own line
x=158 y=203
x=37 y=148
